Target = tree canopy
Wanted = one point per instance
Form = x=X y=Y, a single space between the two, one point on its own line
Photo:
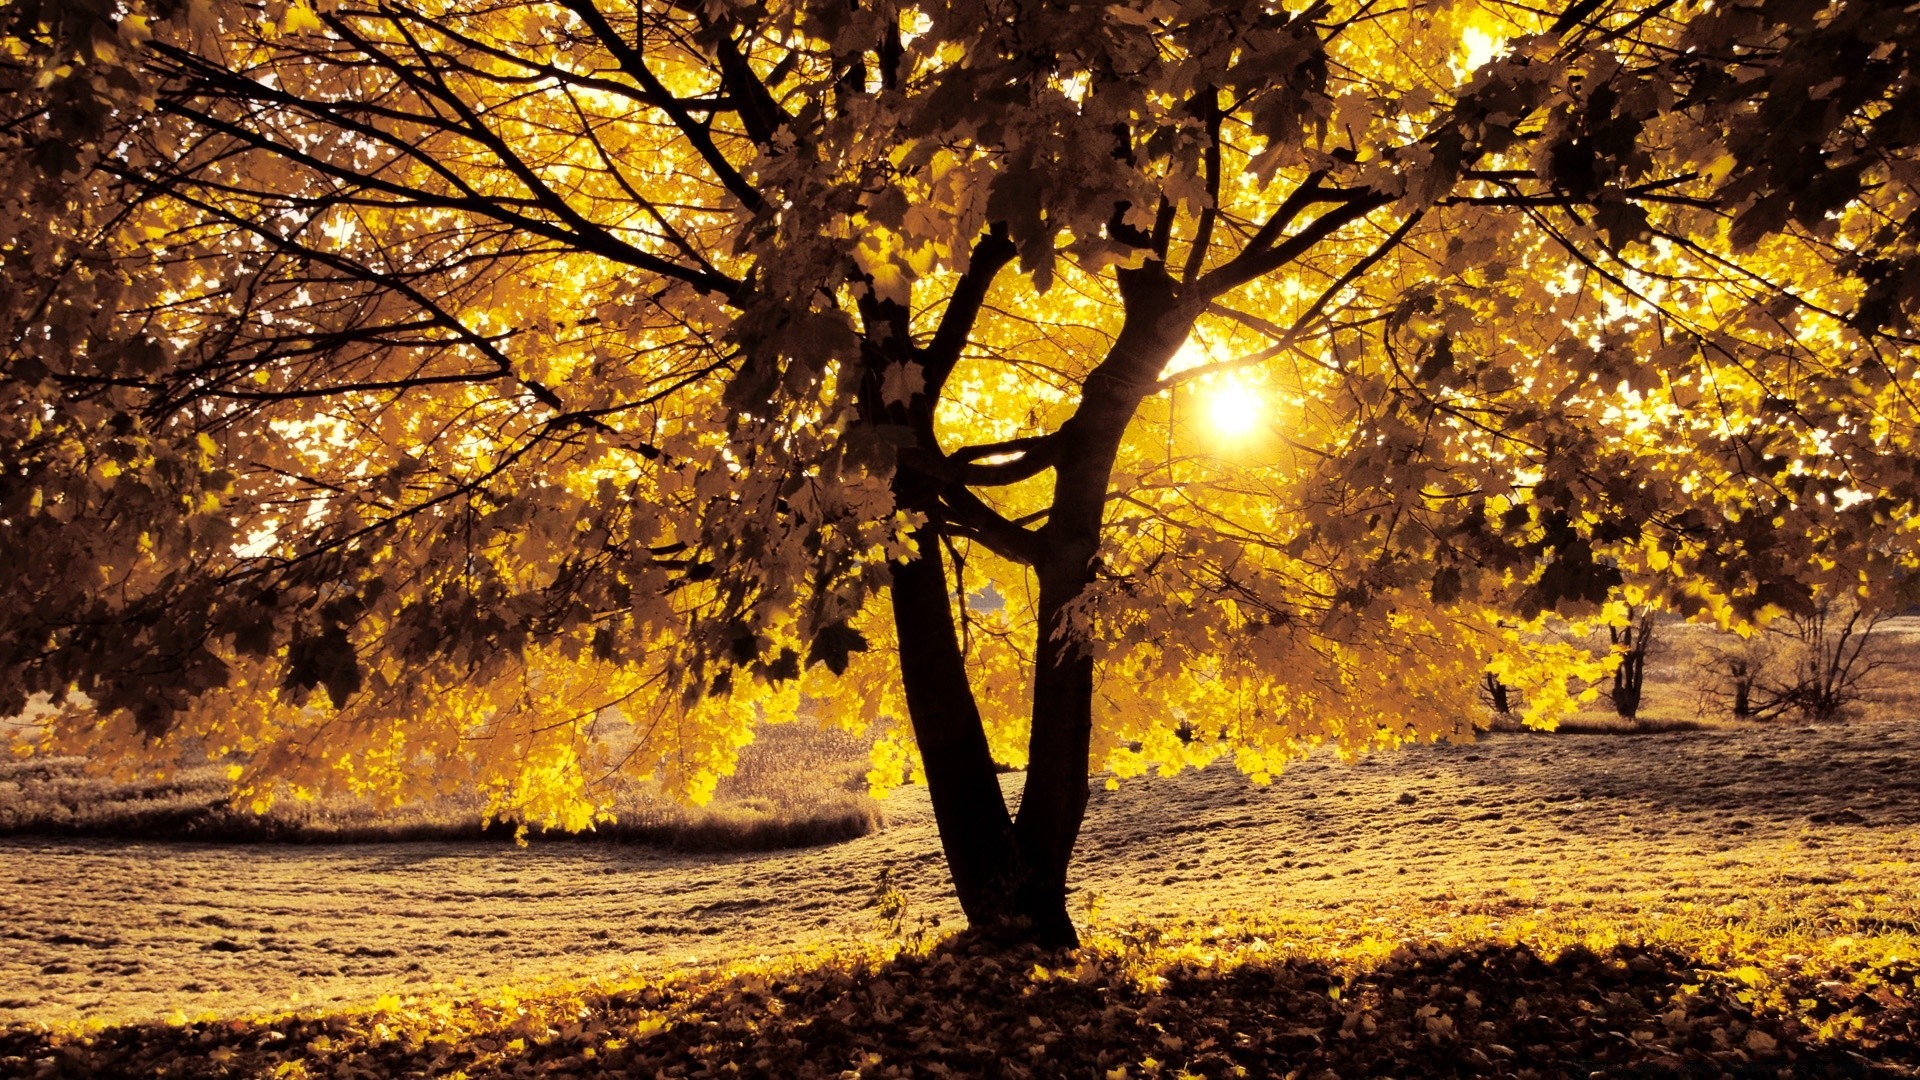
x=407 y=395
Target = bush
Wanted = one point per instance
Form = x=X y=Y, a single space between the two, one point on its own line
x=1817 y=665
x=1832 y=656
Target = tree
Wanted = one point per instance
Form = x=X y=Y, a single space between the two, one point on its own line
x=563 y=386
x=1818 y=663
x=1499 y=696
x=1631 y=641
x=1733 y=669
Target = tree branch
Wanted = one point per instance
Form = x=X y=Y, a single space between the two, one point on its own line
x=1305 y=319
x=1254 y=263
x=697 y=134
x=1203 y=233
x=975 y=520
x=991 y=253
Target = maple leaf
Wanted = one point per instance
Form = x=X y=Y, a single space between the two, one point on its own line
x=901 y=382
x=833 y=646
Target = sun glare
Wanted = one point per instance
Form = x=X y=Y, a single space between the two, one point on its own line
x=1478 y=46
x=1233 y=410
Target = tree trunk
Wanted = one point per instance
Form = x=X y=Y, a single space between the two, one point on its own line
x=975 y=829
x=1011 y=875
x=1627 y=681
x=1054 y=802
x=1630 y=677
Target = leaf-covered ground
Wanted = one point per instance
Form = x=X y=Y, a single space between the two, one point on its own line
x=1256 y=997
x=1740 y=900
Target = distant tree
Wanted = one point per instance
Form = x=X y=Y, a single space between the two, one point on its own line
x=1817 y=664
x=1499 y=696
x=1631 y=641
x=1733 y=670
x=495 y=367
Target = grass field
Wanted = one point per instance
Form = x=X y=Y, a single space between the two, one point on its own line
x=1725 y=899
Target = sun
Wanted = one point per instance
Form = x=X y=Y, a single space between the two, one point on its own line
x=1234 y=410
x=1226 y=404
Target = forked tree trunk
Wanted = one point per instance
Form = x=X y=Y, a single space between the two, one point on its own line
x=1011 y=877
x=1011 y=880
x=975 y=829
x=1011 y=874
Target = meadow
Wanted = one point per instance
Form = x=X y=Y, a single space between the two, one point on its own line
x=1679 y=896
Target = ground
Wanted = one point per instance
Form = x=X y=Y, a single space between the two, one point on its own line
x=1807 y=829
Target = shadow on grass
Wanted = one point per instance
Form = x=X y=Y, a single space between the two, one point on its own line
x=961 y=1010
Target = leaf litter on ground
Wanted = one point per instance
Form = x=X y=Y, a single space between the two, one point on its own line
x=1398 y=992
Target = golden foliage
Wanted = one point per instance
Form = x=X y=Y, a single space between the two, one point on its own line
x=556 y=386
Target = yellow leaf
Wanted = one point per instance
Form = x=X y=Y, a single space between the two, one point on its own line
x=300 y=19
